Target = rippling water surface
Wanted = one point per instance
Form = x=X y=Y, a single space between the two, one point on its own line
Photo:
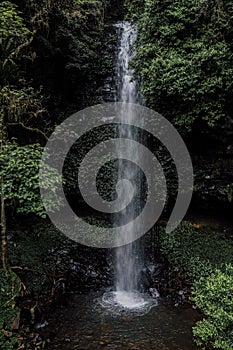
x=89 y=323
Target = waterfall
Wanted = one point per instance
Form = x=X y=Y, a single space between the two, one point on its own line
x=127 y=256
x=126 y=87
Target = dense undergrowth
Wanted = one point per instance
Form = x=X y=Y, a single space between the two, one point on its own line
x=207 y=259
x=39 y=259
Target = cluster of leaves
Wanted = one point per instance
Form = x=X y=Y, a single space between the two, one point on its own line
x=214 y=296
x=76 y=155
x=14 y=34
x=20 y=179
x=198 y=252
x=184 y=58
x=22 y=114
x=208 y=261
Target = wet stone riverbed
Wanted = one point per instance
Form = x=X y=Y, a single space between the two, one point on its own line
x=88 y=324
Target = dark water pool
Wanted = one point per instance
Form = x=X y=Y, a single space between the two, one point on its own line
x=85 y=324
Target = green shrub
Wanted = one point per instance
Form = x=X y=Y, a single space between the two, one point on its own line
x=207 y=258
x=214 y=297
x=199 y=253
x=21 y=186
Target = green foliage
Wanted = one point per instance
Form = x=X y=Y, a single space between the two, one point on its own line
x=214 y=297
x=11 y=23
x=207 y=258
x=63 y=38
x=9 y=290
x=22 y=113
x=134 y=9
x=13 y=35
x=8 y=343
x=198 y=252
x=184 y=59
x=18 y=105
x=44 y=252
x=20 y=174
x=83 y=51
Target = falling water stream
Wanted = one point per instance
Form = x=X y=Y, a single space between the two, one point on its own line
x=128 y=257
x=126 y=272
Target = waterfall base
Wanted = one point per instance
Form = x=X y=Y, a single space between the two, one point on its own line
x=121 y=302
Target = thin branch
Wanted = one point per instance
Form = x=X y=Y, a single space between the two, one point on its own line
x=19 y=48
x=46 y=272
x=25 y=269
x=31 y=129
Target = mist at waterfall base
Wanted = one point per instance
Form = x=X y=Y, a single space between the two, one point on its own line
x=128 y=258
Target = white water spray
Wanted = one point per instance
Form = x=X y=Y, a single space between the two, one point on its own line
x=128 y=261
x=127 y=256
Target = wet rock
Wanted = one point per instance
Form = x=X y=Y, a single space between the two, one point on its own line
x=89 y=270
x=67 y=340
x=41 y=325
x=145 y=278
x=151 y=276
x=93 y=274
x=154 y=293
x=30 y=312
x=16 y=322
x=105 y=342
